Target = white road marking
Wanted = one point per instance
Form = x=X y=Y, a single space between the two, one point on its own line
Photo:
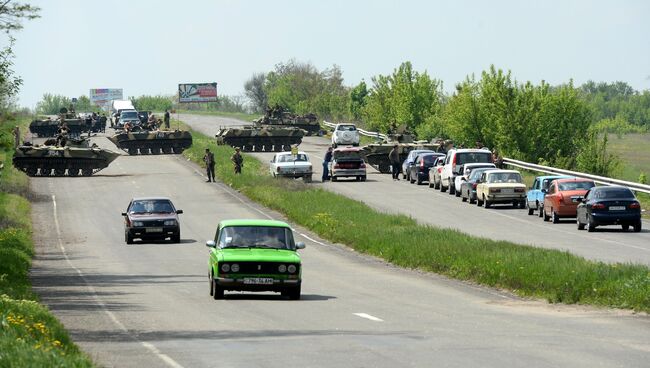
x=367 y=316
x=165 y=358
x=313 y=240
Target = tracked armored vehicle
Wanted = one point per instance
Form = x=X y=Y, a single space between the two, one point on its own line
x=76 y=158
x=147 y=142
x=376 y=154
x=257 y=139
x=279 y=116
x=49 y=127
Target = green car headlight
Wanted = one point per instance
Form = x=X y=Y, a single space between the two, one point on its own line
x=291 y=268
x=234 y=267
x=225 y=267
x=170 y=223
x=138 y=223
x=282 y=268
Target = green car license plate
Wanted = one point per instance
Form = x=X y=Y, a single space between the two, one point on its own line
x=258 y=281
x=154 y=230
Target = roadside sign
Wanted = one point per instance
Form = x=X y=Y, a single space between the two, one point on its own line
x=197 y=92
x=74 y=100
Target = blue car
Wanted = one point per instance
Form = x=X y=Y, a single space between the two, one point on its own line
x=609 y=206
x=535 y=196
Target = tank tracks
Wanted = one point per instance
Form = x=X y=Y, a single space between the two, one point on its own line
x=59 y=166
x=154 y=147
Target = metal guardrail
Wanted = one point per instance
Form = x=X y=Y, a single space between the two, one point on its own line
x=598 y=179
x=540 y=168
x=361 y=131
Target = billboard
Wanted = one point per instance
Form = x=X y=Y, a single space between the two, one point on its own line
x=104 y=96
x=197 y=92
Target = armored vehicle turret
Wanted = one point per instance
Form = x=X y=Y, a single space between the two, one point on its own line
x=267 y=138
x=146 y=142
x=49 y=127
x=76 y=158
x=376 y=154
x=279 y=116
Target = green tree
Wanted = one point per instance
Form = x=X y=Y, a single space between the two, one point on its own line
x=13 y=13
x=358 y=96
x=50 y=104
x=594 y=158
x=254 y=90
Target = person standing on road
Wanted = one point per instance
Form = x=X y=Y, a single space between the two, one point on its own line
x=393 y=156
x=237 y=160
x=326 y=164
x=16 y=136
x=166 y=119
x=208 y=158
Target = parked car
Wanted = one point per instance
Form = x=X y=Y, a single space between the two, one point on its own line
x=284 y=164
x=537 y=192
x=130 y=116
x=455 y=160
x=419 y=171
x=406 y=164
x=151 y=218
x=561 y=199
x=254 y=255
x=501 y=186
x=465 y=171
x=345 y=135
x=347 y=162
x=468 y=186
x=609 y=206
x=435 y=171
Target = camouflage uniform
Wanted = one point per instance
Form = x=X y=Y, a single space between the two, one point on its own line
x=237 y=160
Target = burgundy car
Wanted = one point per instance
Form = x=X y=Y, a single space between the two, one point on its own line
x=151 y=219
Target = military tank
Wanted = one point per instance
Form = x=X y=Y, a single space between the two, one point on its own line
x=146 y=142
x=49 y=127
x=257 y=139
x=78 y=157
x=279 y=116
x=376 y=154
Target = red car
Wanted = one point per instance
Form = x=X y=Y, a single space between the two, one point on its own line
x=561 y=199
x=151 y=219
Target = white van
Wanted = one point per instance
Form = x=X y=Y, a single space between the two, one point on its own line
x=454 y=162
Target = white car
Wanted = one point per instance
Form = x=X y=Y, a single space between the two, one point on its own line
x=466 y=171
x=284 y=164
x=454 y=162
x=345 y=135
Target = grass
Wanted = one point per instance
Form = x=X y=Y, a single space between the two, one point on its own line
x=235 y=115
x=556 y=276
x=30 y=336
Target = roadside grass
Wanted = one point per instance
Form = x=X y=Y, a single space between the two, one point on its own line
x=235 y=115
x=556 y=276
x=30 y=336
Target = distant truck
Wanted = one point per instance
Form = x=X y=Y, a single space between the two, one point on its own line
x=116 y=109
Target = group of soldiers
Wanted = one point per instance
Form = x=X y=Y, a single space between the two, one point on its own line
x=237 y=161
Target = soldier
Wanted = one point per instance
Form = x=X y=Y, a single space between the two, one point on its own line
x=102 y=123
x=326 y=164
x=167 y=119
x=393 y=156
x=237 y=160
x=208 y=158
x=16 y=137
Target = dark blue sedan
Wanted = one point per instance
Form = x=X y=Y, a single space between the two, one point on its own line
x=609 y=206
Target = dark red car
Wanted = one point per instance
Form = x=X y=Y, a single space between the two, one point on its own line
x=562 y=198
x=151 y=218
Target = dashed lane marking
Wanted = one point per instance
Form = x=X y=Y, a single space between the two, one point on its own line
x=367 y=316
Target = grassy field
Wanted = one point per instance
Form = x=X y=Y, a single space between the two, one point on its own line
x=634 y=152
x=235 y=115
x=527 y=271
x=30 y=336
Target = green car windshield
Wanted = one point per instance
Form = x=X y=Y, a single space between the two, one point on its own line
x=256 y=237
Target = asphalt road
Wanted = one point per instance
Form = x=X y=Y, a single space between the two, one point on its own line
x=430 y=206
x=147 y=305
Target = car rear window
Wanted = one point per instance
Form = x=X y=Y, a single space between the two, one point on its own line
x=428 y=159
x=504 y=178
x=289 y=158
x=349 y=128
x=473 y=157
x=618 y=193
x=576 y=185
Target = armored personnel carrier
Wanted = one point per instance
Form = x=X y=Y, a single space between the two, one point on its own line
x=267 y=138
x=49 y=127
x=146 y=142
x=279 y=116
x=376 y=154
x=76 y=158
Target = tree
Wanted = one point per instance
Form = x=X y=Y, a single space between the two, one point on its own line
x=254 y=89
x=358 y=96
x=50 y=104
x=12 y=14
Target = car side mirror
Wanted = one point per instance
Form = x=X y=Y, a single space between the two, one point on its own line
x=580 y=200
x=544 y=191
x=123 y=213
x=210 y=244
x=179 y=212
x=300 y=245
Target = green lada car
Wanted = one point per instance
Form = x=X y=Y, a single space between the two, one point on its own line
x=254 y=255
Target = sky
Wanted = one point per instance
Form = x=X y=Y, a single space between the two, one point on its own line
x=148 y=47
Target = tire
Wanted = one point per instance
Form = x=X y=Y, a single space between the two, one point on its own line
x=176 y=238
x=217 y=291
x=431 y=185
x=463 y=199
x=479 y=202
x=211 y=284
x=637 y=227
x=625 y=227
x=487 y=203
x=334 y=178
x=471 y=200
x=411 y=181
x=590 y=225
x=456 y=193
x=522 y=204
x=436 y=185
x=128 y=238
x=292 y=293
x=581 y=226
x=363 y=178
x=554 y=217
x=546 y=218
x=452 y=189
x=541 y=210
x=530 y=210
x=418 y=181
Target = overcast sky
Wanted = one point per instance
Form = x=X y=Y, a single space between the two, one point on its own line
x=148 y=47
